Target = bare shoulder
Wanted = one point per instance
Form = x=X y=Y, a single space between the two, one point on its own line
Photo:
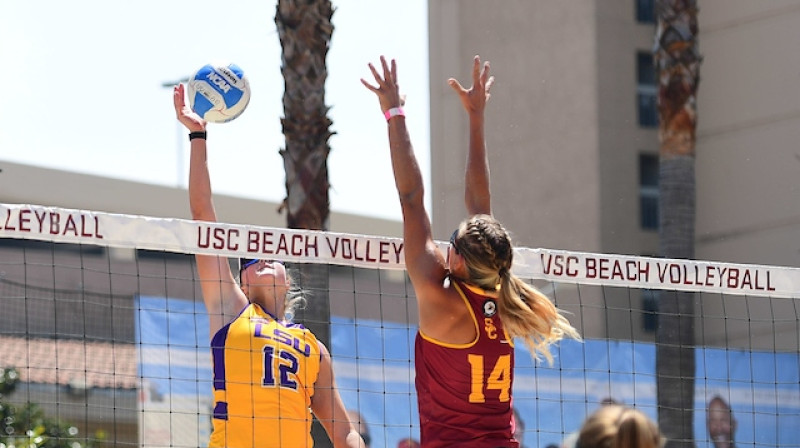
x=323 y=350
x=442 y=311
x=325 y=376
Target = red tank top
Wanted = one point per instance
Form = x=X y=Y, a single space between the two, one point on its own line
x=464 y=390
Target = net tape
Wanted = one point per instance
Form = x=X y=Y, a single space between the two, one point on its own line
x=62 y=225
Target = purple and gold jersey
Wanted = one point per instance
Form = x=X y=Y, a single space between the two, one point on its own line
x=264 y=375
x=464 y=390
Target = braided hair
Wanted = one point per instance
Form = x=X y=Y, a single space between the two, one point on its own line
x=526 y=313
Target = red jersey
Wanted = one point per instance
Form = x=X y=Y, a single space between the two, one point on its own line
x=464 y=390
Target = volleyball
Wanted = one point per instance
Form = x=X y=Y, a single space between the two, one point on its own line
x=219 y=92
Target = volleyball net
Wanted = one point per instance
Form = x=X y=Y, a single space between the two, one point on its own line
x=105 y=339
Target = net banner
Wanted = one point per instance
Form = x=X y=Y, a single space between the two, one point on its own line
x=658 y=273
x=179 y=235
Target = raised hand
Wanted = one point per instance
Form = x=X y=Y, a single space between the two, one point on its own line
x=474 y=99
x=387 y=89
x=185 y=114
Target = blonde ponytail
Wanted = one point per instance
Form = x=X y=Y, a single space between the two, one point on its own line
x=531 y=316
x=295 y=299
x=525 y=312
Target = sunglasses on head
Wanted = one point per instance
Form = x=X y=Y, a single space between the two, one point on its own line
x=453 y=241
x=245 y=263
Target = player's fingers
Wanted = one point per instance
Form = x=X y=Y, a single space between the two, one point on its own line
x=378 y=78
x=386 y=71
x=476 y=69
x=177 y=99
x=456 y=85
x=369 y=86
x=485 y=73
x=394 y=71
x=489 y=84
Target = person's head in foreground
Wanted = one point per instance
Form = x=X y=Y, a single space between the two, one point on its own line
x=408 y=443
x=615 y=426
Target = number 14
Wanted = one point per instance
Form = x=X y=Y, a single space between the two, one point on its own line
x=499 y=379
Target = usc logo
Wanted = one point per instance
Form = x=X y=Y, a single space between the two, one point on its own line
x=491 y=330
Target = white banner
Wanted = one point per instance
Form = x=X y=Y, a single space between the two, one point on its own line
x=197 y=237
x=179 y=235
x=659 y=273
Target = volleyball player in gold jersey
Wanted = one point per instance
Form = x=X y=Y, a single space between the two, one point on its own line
x=269 y=374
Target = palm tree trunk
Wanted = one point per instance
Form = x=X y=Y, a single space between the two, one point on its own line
x=305 y=30
x=678 y=69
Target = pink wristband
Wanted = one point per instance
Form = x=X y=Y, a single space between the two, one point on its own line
x=393 y=112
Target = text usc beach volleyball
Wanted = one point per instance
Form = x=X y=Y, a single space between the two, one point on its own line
x=53 y=222
x=665 y=272
x=277 y=244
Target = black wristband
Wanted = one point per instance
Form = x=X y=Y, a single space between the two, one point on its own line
x=197 y=134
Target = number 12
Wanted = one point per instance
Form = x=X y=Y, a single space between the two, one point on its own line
x=285 y=364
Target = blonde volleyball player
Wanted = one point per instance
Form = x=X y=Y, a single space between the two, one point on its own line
x=470 y=304
x=269 y=374
x=619 y=427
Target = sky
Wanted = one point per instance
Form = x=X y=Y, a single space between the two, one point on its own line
x=84 y=92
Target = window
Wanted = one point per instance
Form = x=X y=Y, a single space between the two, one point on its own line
x=645 y=11
x=648 y=191
x=646 y=90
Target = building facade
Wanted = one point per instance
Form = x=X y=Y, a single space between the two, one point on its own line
x=572 y=136
x=572 y=124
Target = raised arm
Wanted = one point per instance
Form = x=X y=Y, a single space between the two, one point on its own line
x=222 y=296
x=329 y=408
x=424 y=261
x=477 y=196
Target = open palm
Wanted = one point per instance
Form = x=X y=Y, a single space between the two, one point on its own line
x=474 y=99
x=185 y=114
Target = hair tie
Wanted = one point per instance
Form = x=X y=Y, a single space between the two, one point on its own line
x=501 y=273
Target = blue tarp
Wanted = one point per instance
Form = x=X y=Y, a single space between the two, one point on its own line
x=375 y=373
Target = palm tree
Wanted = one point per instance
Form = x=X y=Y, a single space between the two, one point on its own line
x=677 y=60
x=305 y=30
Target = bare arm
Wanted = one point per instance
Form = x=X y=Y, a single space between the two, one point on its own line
x=477 y=196
x=424 y=261
x=329 y=408
x=221 y=294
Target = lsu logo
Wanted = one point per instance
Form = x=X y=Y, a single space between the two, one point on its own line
x=283 y=337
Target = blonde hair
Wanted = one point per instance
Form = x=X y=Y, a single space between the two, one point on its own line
x=615 y=426
x=526 y=313
x=295 y=298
